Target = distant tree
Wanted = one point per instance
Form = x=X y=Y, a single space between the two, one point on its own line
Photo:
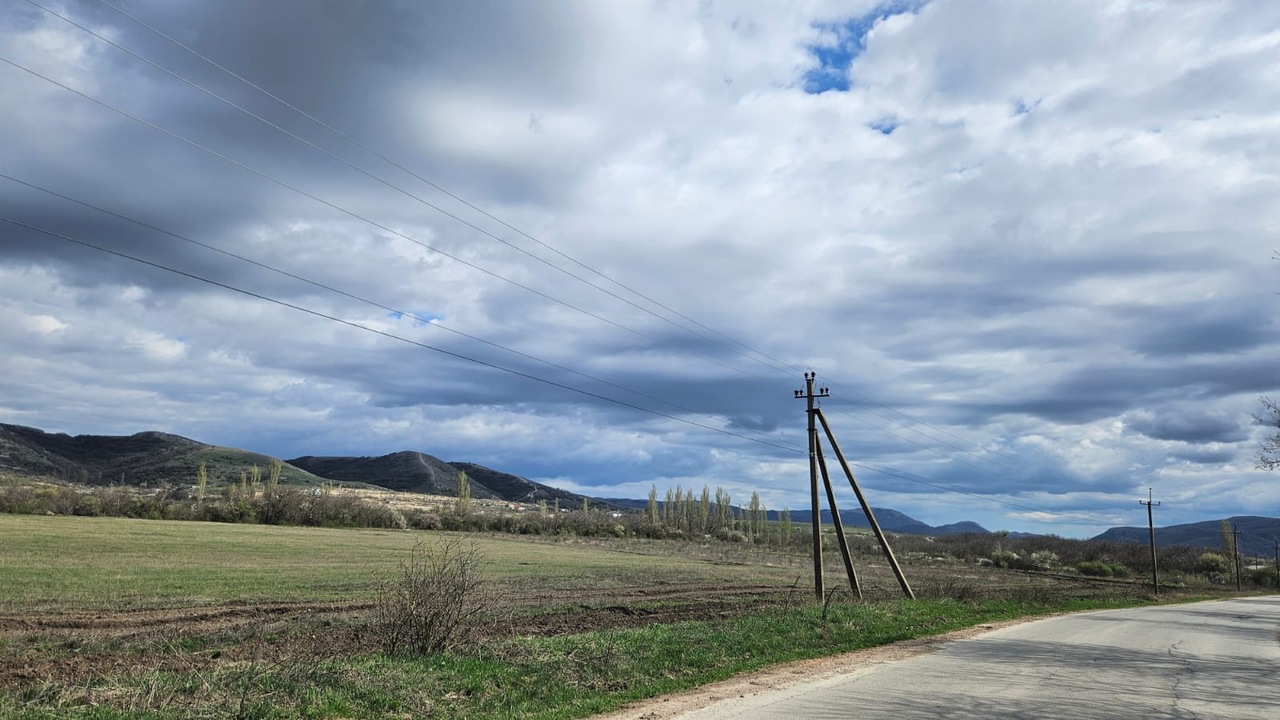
x=1268 y=457
x=273 y=475
x=755 y=520
x=785 y=520
x=651 y=511
x=464 y=493
x=202 y=480
x=585 y=508
x=723 y=508
x=704 y=511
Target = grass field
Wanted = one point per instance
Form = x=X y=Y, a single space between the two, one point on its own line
x=71 y=562
x=116 y=618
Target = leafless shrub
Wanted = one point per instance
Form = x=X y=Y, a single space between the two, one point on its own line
x=436 y=600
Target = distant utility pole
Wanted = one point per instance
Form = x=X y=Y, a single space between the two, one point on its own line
x=1151 y=531
x=1278 y=564
x=809 y=395
x=1235 y=546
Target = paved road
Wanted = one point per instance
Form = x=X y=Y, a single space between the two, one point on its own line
x=1208 y=660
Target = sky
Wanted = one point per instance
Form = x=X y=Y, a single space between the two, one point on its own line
x=1029 y=247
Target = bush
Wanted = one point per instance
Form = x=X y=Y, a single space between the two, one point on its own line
x=436 y=602
x=1212 y=564
x=1005 y=559
x=1095 y=568
x=1263 y=577
x=1043 y=560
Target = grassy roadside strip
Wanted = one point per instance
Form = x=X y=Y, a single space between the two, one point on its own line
x=557 y=677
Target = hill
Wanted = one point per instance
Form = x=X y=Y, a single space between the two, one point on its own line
x=405 y=471
x=143 y=459
x=1258 y=535
x=410 y=471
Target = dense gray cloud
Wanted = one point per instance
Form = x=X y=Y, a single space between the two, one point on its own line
x=1026 y=245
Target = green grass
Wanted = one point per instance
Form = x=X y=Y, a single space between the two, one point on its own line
x=558 y=677
x=54 y=562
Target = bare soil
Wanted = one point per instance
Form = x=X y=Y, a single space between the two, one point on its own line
x=73 y=645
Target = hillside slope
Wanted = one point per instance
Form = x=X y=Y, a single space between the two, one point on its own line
x=405 y=471
x=519 y=489
x=144 y=459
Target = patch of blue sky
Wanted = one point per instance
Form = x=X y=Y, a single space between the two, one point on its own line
x=850 y=41
x=426 y=318
x=1021 y=107
x=885 y=125
x=419 y=319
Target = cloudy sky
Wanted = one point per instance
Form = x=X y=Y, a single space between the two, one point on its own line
x=1028 y=246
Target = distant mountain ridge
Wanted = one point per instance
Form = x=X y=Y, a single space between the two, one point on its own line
x=890 y=520
x=1258 y=535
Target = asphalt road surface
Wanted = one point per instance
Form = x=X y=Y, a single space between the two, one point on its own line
x=1207 y=660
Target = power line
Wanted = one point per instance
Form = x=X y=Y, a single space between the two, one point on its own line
x=346 y=211
x=308 y=195
x=347 y=294
x=393 y=336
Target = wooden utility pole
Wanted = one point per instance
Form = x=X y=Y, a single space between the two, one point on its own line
x=841 y=540
x=1235 y=546
x=1278 y=564
x=809 y=395
x=1151 y=531
x=866 y=508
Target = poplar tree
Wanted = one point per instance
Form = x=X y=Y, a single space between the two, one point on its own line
x=724 y=506
x=464 y=493
x=704 y=511
x=755 y=520
x=273 y=475
x=202 y=479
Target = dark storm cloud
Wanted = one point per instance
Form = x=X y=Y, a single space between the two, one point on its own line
x=1188 y=427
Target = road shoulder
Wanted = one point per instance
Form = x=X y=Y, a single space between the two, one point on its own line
x=779 y=677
